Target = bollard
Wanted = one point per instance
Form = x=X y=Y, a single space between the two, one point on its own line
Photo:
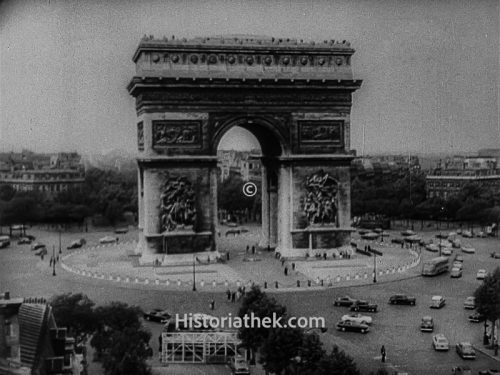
x=118 y=278
x=146 y=281
x=136 y=280
x=308 y=282
x=202 y=283
x=265 y=284
x=157 y=282
x=178 y=282
x=214 y=284
x=322 y=282
x=276 y=284
x=238 y=283
x=366 y=275
x=298 y=283
x=167 y=283
x=127 y=280
x=337 y=279
x=226 y=283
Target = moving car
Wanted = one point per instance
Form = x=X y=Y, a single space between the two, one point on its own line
x=357 y=318
x=461 y=370
x=76 y=244
x=121 y=230
x=402 y=299
x=446 y=251
x=239 y=365
x=398 y=240
x=432 y=247
x=465 y=350
x=437 y=302
x=459 y=258
x=481 y=234
x=457 y=265
x=481 y=274
x=41 y=251
x=467 y=234
x=427 y=324
x=36 y=246
x=24 y=241
x=408 y=233
x=344 y=301
x=468 y=249
x=456 y=243
x=491 y=371
x=370 y=236
x=4 y=241
x=348 y=325
x=108 y=239
x=470 y=303
x=364 y=306
x=476 y=318
x=157 y=315
x=456 y=272
x=440 y=342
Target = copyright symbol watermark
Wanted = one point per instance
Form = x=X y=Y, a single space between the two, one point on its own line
x=249 y=189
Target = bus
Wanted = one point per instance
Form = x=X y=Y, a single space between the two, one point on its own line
x=435 y=266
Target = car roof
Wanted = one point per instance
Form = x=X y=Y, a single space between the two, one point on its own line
x=437 y=297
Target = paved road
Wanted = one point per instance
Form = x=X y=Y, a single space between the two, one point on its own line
x=396 y=327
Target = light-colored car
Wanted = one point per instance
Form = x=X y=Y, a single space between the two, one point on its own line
x=482 y=234
x=358 y=318
x=239 y=365
x=427 y=324
x=456 y=272
x=432 y=247
x=467 y=234
x=470 y=303
x=465 y=350
x=446 y=251
x=457 y=265
x=440 y=342
x=108 y=239
x=481 y=274
x=437 y=302
x=468 y=249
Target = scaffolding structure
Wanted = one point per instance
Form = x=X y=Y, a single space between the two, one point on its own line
x=199 y=346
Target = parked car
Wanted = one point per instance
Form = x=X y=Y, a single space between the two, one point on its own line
x=459 y=265
x=456 y=243
x=459 y=258
x=495 y=255
x=467 y=234
x=364 y=306
x=456 y=272
x=481 y=274
x=41 y=251
x=398 y=240
x=465 y=350
x=370 y=236
x=31 y=237
x=461 y=370
x=24 y=241
x=427 y=324
x=36 y=246
x=491 y=371
x=470 y=303
x=358 y=318
x=432 y=247
x=442 y=236
x=344 y=301
x=468 y=249
x=440 y=342
x=408 y=233
x=76 y=244
x=348 y=325
x=476 y=318
x=446 y=251
x=481 y=234
x=121 y=230
x=437 y=302
x=157 y=315
x=239 y=365
x=402 y=299
x=108 y=239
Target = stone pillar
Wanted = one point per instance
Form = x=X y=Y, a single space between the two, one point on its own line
x=284 y=211
x=215 y=215
x=264 y=238
x=140 y=208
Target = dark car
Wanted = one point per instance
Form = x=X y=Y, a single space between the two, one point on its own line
x=427 y=324
x=398 y=240
x=24 y=241
x=77 y=244
x=491 y=371
x=31 y=237
x=36 y=246
x=476 y=318
x=345 y=301
x=157 y=315
x=461 y=370
x=349 y=325
x=364 y=306
x=41 y=251
x=465 y=350
x=495 y=255
x=402 y=299
x=121 y=230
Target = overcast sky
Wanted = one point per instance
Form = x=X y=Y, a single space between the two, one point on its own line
x=430 y=68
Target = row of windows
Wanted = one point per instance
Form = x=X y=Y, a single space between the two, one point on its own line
x=51 y=177
x=45 y=188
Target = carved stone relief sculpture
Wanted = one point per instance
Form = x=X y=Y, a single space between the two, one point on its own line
x=177 y=207
x=320 y=204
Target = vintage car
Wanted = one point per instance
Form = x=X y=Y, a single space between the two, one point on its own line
x=348 y=325
x=427 y=324
x=440 y=342
x=358 y=318
x=465 y=350
x=402 y=299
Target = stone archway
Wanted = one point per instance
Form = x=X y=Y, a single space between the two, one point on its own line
x=294 y=97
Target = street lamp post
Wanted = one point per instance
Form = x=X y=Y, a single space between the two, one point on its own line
x=194 y=274
x=374 y=267
x=53 y=260
x=60 y=251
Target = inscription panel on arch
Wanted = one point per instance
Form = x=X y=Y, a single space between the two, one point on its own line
x=321 y=133
x=177 y=133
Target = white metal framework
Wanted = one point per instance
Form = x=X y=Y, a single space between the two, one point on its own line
x=198 y=347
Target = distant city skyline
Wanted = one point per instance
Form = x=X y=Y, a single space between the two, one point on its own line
x=430 y=69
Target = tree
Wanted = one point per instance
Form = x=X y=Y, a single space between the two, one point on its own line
x=310 y=353
x=279 y=349
x=337 y=363
x=120 y=341
x=74 y=311
x=7 y=192
x=260 y=305
x=488 y=298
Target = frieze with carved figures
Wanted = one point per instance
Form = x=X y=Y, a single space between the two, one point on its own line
x=176 y=134
x=177 y=206
x=140 y=136
x=320 y=204
x=321 y=132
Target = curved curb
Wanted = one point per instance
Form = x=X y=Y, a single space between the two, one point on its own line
x=354 y=279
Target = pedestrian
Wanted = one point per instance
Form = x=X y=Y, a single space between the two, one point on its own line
x=495 y=345
x=41 y=256
x=382 y=352
x=402 y=244
x=233 y=297
x=238 y=295
x=293 y=266
x=51 y=260
x=227 y=255
x=248 y=248
x=324 y=256
x=212 y=304
x=282 y=262
x=228 y=294
x=57 y=259
x=253 y=249
x=286 y=271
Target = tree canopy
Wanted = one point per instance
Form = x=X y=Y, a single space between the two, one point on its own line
x=488 y=297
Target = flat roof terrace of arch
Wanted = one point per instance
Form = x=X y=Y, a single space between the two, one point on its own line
x=263 y=60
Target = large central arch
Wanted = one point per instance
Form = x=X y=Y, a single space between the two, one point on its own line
x=294 y=97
